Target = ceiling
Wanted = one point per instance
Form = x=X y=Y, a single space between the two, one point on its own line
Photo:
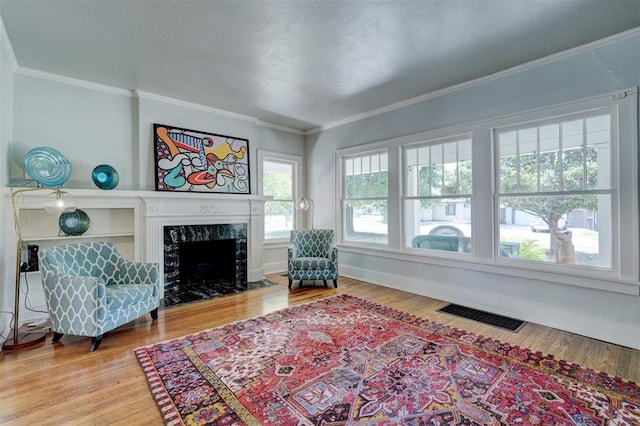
x=299 y=63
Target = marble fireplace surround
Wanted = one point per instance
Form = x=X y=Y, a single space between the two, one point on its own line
x=162 y=211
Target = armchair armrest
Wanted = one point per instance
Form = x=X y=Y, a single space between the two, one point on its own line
x=333 y=253
x=67 y=295
x=292 y=252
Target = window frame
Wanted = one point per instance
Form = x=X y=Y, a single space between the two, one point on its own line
x=453 y=137
x=623 y=278
x=342 y=198
x=624 y=192
x=297 y=181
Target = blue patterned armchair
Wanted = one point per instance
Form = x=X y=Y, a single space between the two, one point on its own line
x=313 y=255
x=91 y=289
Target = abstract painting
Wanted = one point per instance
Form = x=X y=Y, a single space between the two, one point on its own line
x=192 y=161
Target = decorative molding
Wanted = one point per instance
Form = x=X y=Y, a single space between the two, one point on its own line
x=163 y=209
x=634 y=32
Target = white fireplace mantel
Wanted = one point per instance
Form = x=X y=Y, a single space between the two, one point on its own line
x=137 y=219
x=205 y=209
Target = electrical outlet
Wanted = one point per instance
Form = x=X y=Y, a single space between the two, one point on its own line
x=29 y=259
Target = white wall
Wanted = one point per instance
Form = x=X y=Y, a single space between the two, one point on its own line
x=532 y=296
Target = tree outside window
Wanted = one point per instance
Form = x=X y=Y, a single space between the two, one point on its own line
x=365 y=200
x=556 y=176
x=437 y=195
x=278 y=181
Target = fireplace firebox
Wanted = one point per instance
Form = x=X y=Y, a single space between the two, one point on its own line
x=204 y=261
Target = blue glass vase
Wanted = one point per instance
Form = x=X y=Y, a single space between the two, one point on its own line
x=74 y=223
x=47 y=166
x=105 y=177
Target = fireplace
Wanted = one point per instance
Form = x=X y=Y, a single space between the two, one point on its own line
x=204 y=261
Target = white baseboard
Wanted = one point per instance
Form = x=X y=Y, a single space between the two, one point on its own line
x=585 y=325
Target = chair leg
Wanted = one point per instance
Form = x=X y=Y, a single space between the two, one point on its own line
x=325 y=283
x=56 y=337
x=335 y=283
x=290 y=282
x=95 y=343
x=300 y=283
x=154 y=314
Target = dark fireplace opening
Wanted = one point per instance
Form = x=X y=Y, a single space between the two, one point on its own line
x=207 y=262
x=204 y=261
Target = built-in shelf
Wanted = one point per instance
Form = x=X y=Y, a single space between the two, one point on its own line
x=114 y=216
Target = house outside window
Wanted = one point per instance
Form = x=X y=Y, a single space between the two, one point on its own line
x=554 y=181
x=365 y=183
x=280 y=179
x=437 y=194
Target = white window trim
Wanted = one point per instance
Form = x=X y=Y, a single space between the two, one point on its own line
x=453 y=137
x=298 y=184
x=483 y=205
x=624 y=192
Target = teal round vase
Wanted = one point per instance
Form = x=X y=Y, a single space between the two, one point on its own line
x=105 y=177
x=74 y=223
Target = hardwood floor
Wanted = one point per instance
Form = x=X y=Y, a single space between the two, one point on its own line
x=63 y=383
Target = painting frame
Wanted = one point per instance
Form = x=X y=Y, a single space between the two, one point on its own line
x=187 y=160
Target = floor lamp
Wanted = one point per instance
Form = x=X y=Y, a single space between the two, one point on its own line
x=304 y=204
x=57 y=202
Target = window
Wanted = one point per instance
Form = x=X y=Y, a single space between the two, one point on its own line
x=279 y=180
x=365 y=197
x=437 y=195
x=555 y=189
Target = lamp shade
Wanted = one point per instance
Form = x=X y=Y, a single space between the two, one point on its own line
x=58 y=202
x=302 y=204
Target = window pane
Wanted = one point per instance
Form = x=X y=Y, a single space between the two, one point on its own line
x=277 y=180
x=366 y=221
x=569 y=156
x=507 y=146
x=436 y=170
x=278 y=219
x=439 y=224
x=598 y=152
x=366 y=176
x=450 y=165
x=572 y=230
x=549 y=171
x=464 y=166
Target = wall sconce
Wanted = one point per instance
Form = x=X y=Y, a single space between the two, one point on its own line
x=304 y=204
x=57 y=202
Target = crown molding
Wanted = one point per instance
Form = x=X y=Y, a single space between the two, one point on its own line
x=6 y=46
x=279 y=127
x=29 y=72
x=178 y=102
x=152 y=96
x=616 y=38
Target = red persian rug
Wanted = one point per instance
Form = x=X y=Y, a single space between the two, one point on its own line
x=343 y=360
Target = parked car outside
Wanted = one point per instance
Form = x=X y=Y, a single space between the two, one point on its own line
x=539 y=225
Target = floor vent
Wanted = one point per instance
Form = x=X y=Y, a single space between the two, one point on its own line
x=483 y=317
